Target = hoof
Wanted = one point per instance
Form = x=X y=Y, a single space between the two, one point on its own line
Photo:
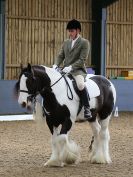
x=53 y=163
x=100 y=160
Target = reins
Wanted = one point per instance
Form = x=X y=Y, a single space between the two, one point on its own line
x=68 y=86
x=63 y=74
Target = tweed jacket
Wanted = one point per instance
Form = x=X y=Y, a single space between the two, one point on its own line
x=74 y=56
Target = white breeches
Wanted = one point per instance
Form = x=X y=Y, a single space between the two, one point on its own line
x=80 y=82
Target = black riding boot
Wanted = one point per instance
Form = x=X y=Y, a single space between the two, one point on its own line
x=85 y=99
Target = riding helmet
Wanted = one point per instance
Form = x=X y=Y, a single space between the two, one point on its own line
x=73 y=24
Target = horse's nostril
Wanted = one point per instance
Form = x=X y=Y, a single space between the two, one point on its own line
x=23 y=104
x=29 y=108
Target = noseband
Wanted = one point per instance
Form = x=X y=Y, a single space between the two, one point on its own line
x=25 y=91
x=30 y=98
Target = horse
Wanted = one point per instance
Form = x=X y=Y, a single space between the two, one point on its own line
x=61 y=105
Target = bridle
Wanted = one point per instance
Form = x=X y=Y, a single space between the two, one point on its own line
x=32 y=97
x=25 y=91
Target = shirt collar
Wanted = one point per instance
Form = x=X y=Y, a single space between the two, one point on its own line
x=74 y=40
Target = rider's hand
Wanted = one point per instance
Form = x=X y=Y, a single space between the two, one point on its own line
x=55 y=67
x=67 y=69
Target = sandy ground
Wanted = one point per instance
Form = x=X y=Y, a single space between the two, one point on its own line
x=25 y=147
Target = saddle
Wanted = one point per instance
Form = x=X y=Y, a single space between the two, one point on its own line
x=92 y=87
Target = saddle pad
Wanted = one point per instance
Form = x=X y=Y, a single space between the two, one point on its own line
x=92 y=87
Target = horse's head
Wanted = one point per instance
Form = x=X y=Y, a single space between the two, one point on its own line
x=31 y=81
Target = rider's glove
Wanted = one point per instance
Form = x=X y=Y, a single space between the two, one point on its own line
x=55 y=67
x=67 y=69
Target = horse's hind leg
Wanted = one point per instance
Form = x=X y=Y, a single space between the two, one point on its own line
x=94 y=150
x=100 y=146
x=104 y=139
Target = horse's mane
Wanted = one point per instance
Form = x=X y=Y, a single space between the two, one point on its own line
x=38 y=70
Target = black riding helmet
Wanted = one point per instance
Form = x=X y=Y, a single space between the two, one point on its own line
x=73 y=24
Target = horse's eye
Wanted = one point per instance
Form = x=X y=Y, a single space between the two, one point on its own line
x=30 y=91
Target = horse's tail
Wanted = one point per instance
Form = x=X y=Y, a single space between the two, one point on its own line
x=114 y=92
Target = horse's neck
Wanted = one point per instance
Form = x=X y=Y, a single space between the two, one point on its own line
x=49 y=101
x=53 y=74
x=59 y=86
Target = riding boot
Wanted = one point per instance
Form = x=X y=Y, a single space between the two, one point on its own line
x=85 y=99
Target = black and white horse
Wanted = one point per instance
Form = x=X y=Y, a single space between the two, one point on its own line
x=61 y=105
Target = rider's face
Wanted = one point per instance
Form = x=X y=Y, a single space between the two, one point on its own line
x=73 y=33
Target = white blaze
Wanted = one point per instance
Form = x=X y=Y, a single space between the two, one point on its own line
x=23 y=96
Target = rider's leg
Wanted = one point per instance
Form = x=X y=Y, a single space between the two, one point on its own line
x=85 y=99
x=84 y=96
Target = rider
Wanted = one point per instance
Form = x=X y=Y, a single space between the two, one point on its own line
x=73 y=54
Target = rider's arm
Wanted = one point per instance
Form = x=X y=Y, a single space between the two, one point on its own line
x=83 y=55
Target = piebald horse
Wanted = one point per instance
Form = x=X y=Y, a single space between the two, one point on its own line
x=62 y=105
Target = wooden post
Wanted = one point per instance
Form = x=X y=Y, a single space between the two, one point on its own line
x=103 y=42
x=2 y=39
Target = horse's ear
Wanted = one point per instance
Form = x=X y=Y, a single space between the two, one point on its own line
x=29 y=67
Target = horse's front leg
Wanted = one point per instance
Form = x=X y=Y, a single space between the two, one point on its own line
x=68 y=149
x=54 y=159
x=64 y=151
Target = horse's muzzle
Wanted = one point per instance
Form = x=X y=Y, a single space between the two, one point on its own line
x=23 y=104
x=27 y=106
